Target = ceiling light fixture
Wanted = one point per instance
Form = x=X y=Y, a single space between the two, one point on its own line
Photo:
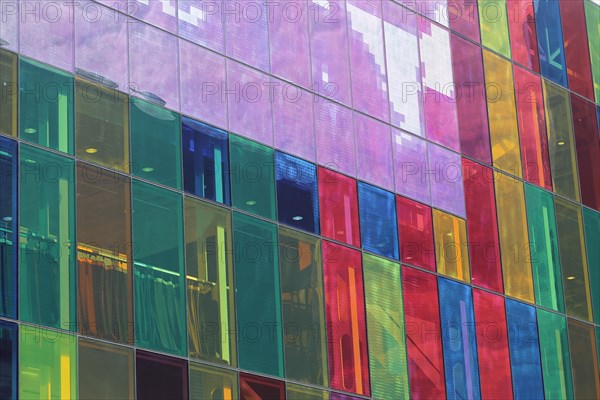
x=30 y=131
x=250 y=202
x=148 y=169
x=91 y=150
x=298 y=218
x=561 y=143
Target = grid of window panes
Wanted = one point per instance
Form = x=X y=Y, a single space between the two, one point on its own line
x=301 y=199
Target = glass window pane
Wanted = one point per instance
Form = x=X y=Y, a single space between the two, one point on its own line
x=385 y=327
x=155 y=143
x=411 y=169
x=571 y=243
x=259 y=388
x=303 y=309
x=591 y=221
x=514 y=240
x=158 y=269
x=335 y=136
x=104 y=254
x=8 y=227
x=543 y=240
x=212 y=383
x=199 y=26
x=493 y=22
x=504 y=132
x=105 y=371
x=554 y=349
x=346 y=327
x=258 y=302
x=297 y=193
x=47 y=364
x=447 y=191
x=101 y=125
x=338 y=206
x=252 y=177
x=374 y=151
x=160 y=377
x=525 y=362
x=9 y=30
x=415 y=229
x=246 y=38
x=8 y=360
x=550 y=41
x=592 y=14
x=297 y=392
x=46 y=116
x=587 y=143
x=451 y=246
x=47 y=236
x=209 y=282
x=378 y=222
x=523 y=39
x=586 y=379
x=9 y=93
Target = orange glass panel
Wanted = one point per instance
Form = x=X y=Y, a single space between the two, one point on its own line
x=451 y=246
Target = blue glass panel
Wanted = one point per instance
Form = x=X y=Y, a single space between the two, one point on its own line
x=524 y=351
x=458 y=340
x=8 y=228
x=378 y=224
x=297 y=193
x=8 y=360
x=550 y=41
x=205 y=161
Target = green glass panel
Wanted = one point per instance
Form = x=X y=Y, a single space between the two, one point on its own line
x=209 y=282
x=297 y=392
x=385 y=328
x=598 y=344
x=47 y=364
x=8 y=93
x=493 y=21
x=554 y=351
x=591 y=221
x=212 y=383
x=155 y=143
x=252 y=177
x=260 y=339
x=46 y=113
x=561 y=143
x=105 y=371
x=47 y=239
x=543 y=241
x=572 y=258
x=159 y=291
x=582 y=344
x=303 y=307
x=592 y=16
x=101 y=125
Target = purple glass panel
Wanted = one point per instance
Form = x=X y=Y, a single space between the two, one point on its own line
x=410 y=159
x=46 y=32
x=335 y=137
x=445 y=175
x=202 y=83
x=161 y=13
x=9 y=18
x=367 y=58
x=373 y=151
x=329 y=50
x=201 y=22
x=438 y=85
x=101 y=43
x=293 y=120
x=154 y=81
x=404 y=66
x=248 y=98
x=246 y=32
x=288 y=35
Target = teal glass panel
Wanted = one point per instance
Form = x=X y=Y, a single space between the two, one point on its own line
x=543 y=242
x=8 y=228
x=252 y=177
x=554 y=349
x=47 y=239
x=260 y=339
x=46 y=112
x=159 y=281
x=155 y=143
x=591 y=224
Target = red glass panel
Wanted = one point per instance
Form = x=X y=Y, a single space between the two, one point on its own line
x=532 y=128
x=588 y=150
x=338 y=201
x=259 y=388
x=423 y=337
x=482 y=226
x=464 y=18
x=523 y=37
x=492 y=346
x=415 y=229
x=467 y=64
x=579 y=70
x=346 y=331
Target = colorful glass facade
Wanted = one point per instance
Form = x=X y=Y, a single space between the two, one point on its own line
x=304 y=199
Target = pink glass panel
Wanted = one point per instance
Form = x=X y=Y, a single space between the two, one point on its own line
x=523 y=36
x=335 y=136
x=410 y=160
x=588 y=150
x=445 y=175
x=246 y=32
x=373 y=151
x=464 y=18
x=415 y=229
x=202 y=23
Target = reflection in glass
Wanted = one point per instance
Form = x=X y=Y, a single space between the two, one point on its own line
x=160 y=377
x=211 y=383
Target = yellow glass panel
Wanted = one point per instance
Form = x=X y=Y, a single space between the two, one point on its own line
x=297 y=392
x=504 y=132
x=514 y=240
x=8 y=93
x=561 y=144
x=451 y=246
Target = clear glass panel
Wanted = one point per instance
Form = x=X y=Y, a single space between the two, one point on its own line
x=9 y=228
x=8 y=100
x=160 y=377
x=212 y=383
x=451 y=246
